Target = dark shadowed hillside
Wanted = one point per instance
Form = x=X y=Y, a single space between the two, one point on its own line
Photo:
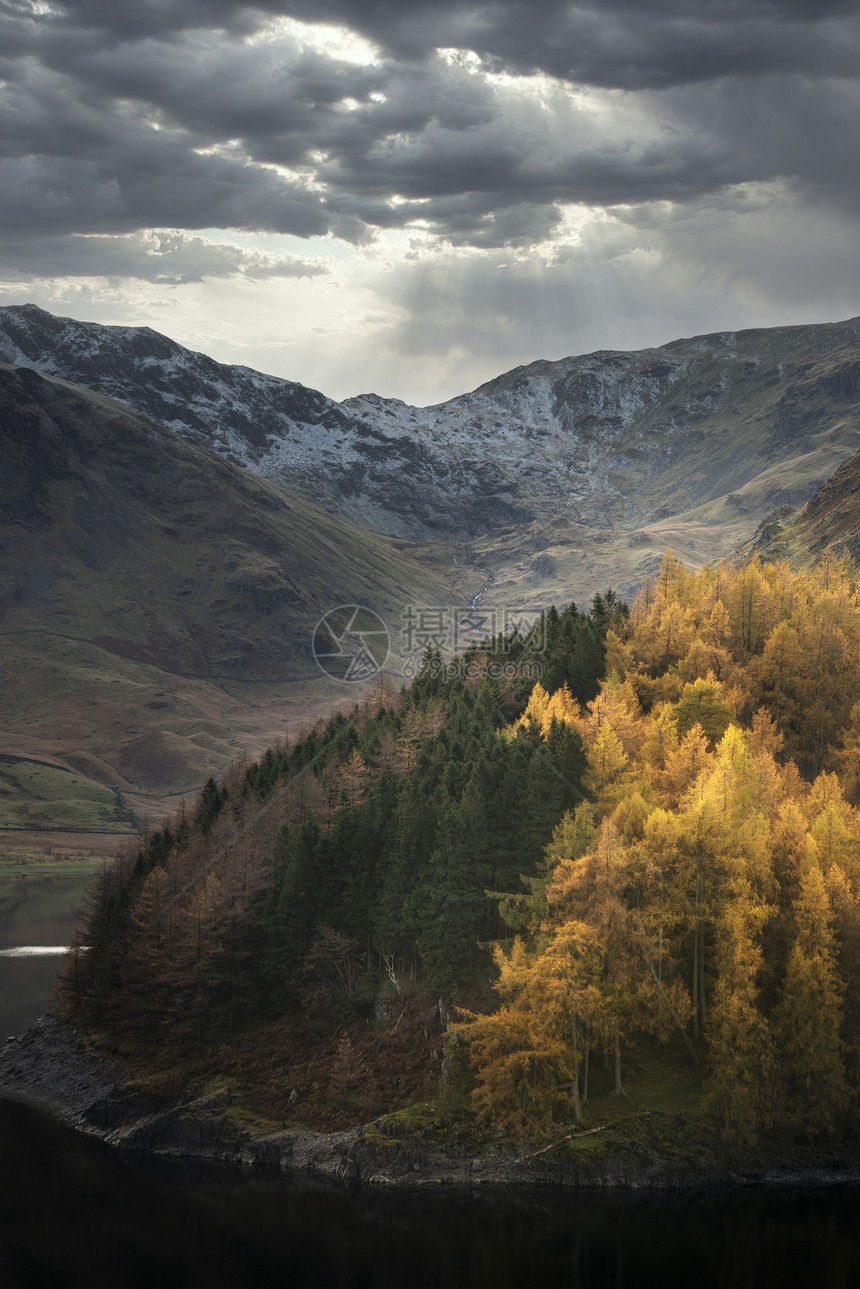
x=157 y=602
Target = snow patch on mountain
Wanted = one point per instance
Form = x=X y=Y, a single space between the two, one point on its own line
x=609 y=439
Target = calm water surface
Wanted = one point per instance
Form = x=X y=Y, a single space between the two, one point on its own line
x=38 y=911
x=75 y=1214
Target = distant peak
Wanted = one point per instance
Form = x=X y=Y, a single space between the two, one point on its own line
x=377 y=400
x=27 y=308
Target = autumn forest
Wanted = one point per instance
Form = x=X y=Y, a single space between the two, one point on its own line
x=520 y=885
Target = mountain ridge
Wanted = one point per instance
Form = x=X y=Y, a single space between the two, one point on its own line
x=607 y=440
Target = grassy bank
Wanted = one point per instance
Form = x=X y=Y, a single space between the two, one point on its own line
x=37 y=795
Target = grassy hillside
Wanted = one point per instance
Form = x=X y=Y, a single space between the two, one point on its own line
x=34 y=795
x=157 y=603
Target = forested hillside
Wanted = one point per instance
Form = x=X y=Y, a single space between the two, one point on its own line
x=710 y=885
x=343 y=874
x=622 y=833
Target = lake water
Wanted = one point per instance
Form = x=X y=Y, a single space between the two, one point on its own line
x=74 y=1213
x=39 y=913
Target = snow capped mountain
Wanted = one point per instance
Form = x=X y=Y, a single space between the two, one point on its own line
x=730 y=425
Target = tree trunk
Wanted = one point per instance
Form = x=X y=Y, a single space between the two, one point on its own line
x=695 y=991
x=702 y=1003
x=574 y=1082
x=619 y=1090
x=585 y=1075
x=660 y=963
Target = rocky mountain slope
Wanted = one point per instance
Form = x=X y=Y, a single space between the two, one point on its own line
x=156 y=602
x=829 y=523
x=728 y=426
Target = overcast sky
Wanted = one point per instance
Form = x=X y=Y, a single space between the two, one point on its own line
x=412 y=196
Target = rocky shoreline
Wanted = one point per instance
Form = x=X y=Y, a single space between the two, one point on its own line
x=53 y=1067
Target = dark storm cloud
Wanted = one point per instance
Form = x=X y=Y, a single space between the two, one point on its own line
x=626 y=44
x=170 y=259
x=140 y=183
x=166 y=114
x=801 y=129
